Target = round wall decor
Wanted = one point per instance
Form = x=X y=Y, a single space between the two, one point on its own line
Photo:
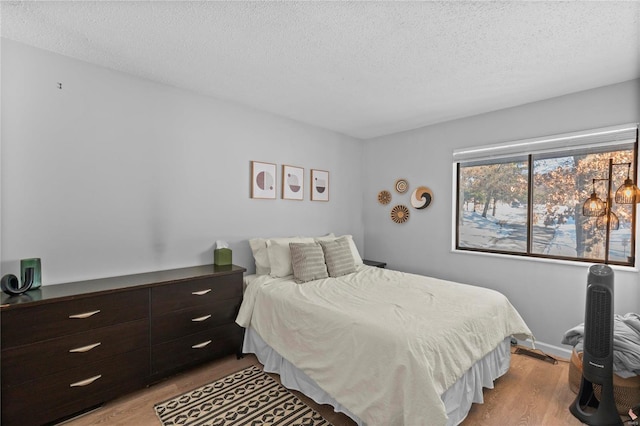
x=421 y=197
x=400 y=214
x=384 y=197
x=402 y=185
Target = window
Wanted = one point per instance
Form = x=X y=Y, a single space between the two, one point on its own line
x=525 y=198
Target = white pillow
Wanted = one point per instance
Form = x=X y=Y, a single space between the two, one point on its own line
x=280 y=255
x=259 y=250
x=354 y=249
x=260 y=255
x=329 y=237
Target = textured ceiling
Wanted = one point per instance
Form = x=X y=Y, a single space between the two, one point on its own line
x=364 y=69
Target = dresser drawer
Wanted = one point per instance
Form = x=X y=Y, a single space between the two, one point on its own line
x=193 y=293
x=189 y=321
x=47 y=321
x=65 y=393
x=174 y=355
x=27 y=362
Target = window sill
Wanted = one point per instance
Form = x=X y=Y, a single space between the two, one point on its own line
x=632 y=269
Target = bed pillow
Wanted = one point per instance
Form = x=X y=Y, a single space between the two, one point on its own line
x=354 y=250
x=338 y=257
x=352 y=245
x=307 y=261
x=329 y=237
x=260 y=253
x=259 y=250
x=280 y=255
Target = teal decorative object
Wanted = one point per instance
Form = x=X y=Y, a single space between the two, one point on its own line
x=31 y=272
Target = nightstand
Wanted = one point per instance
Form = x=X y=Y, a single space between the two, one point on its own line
x=374 y=263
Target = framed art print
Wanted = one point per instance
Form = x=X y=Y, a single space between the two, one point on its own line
x=319 y=185
x=292 y=182
x=263 y=180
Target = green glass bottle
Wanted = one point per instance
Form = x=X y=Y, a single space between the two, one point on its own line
x=31 y=271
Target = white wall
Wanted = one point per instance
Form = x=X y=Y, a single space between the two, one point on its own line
x=549 y=296
x=113 y=174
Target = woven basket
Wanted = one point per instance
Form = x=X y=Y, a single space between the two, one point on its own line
x=626 y=392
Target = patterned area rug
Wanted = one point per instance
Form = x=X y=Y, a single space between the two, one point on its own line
x=248 y=397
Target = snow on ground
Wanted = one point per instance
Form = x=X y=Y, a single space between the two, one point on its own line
x=507 y=231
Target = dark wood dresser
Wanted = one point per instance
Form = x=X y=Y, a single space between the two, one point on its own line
x=70 y=347
x=194 y=321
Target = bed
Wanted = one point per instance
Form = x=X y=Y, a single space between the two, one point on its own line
x=382 y=346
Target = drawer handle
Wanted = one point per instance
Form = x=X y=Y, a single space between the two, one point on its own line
x=201 y=345
x=204 y=318
x=85 y=348
x=85 y=382
x=84 y=315
x=201 y=293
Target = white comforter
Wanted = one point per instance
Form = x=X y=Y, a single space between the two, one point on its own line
x=384 y=344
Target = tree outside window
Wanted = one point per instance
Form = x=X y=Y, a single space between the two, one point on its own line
x=502 y=209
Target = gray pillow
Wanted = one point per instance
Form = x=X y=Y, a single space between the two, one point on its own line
x=337 y=255
x=307 y=260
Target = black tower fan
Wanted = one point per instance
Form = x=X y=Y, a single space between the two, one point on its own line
x=597 y=361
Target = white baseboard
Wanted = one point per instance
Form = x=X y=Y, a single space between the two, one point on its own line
x=548 y=349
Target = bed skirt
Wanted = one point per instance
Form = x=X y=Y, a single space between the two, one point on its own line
x=457 y=399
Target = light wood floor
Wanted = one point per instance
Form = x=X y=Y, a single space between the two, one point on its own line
x=533 y=392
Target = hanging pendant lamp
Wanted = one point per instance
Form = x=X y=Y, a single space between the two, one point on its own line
x=594 y=206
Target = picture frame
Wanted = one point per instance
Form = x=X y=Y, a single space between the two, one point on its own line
x=263 y=180
x=319 y=185
x=292 y=182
